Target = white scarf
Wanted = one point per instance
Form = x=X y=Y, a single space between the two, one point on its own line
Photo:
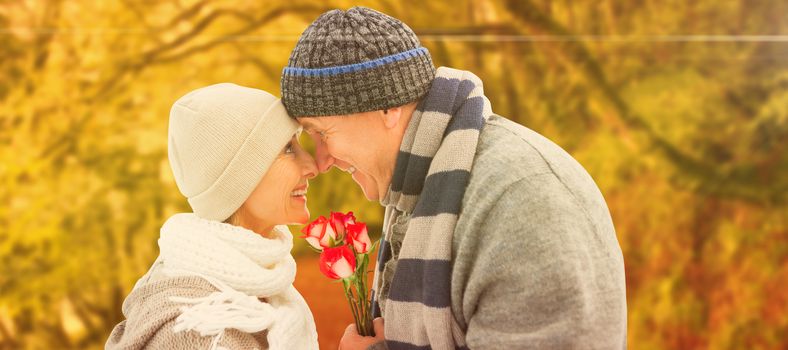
x=244 y=266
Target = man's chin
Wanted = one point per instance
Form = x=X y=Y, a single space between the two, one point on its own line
x=371 y=198
x=370 y=194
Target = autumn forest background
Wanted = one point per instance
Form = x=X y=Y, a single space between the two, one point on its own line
x=678 y=110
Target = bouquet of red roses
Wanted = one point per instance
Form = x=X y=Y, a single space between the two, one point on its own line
x=344 y=247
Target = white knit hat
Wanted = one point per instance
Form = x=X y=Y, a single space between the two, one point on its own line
x=222 y=140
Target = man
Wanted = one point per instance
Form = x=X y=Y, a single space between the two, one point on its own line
x=494 y=237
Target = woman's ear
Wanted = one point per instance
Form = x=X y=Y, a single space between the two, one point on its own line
x=391 y=117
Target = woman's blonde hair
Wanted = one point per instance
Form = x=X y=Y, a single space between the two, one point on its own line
x=234 y=219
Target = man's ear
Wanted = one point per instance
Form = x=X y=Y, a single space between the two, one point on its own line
x=391 y=117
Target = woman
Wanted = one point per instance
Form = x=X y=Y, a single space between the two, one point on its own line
x=224 y=275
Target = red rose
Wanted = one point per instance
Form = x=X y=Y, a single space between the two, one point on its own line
x=320 y=234
x=357 y=236
x=340 y=222
x=345 y=259
x=337 y=263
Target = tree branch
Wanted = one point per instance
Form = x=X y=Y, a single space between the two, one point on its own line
x=735 y=183
x=106 y=88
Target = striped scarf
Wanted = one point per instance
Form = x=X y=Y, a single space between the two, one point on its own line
x=430 y=176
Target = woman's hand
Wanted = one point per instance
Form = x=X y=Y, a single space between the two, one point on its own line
x=351 y=340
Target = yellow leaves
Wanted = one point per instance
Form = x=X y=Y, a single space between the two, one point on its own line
x=165 y=172
x=85 y=182
x=73 y=326
x=7 y=327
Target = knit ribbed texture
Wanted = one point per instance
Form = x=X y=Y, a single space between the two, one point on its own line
x=355 y=61
x=248 y=263
x=535 y=259
x=150 y=318
x=222 y=139
x=430 y=176
x=240 y=266
x=244 y=260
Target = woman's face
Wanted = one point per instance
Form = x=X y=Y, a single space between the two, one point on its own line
x=280 y=197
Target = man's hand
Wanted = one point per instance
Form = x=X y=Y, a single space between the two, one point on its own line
x=351 y=340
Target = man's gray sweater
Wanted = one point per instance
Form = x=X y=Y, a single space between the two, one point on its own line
x=536 y=262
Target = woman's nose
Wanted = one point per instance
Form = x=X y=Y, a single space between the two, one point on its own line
x=308 y=166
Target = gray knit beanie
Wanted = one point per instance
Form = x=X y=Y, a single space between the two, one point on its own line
x=222 y=140
x=355 y=61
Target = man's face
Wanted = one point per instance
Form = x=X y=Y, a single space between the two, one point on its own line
x=360 y=144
